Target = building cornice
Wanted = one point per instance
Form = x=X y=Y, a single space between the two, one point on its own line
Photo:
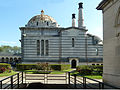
x=50 y=28
x=103 y=4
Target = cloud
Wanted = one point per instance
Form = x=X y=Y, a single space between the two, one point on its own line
x=8 y=42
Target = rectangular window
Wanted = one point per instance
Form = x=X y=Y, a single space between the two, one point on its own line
x=38 y=47
x=73 y=42
x=47 y=47
x=42 y=47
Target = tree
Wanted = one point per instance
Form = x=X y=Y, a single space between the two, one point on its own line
x=9 y=49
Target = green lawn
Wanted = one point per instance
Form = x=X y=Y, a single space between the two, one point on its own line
x=94 y=76
x=7 y=74
x=89 y=76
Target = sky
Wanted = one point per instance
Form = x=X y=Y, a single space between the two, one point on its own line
x=16 y=13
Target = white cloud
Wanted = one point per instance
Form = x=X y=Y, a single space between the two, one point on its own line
x=11 y=43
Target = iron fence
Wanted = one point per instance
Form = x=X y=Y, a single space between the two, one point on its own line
x=12 y=82
x=78 y=81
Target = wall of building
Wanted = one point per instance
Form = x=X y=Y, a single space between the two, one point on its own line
x=60 y=45
x=111 y=48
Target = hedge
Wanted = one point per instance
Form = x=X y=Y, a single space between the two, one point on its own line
x=34 y=66
x=4 y=65
x=60 y=67
x=90 y=69
x=25 y=66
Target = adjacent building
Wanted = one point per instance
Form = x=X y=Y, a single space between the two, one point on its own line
x=111 y=37
x=43 y=40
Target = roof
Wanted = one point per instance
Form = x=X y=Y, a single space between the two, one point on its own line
x=75 y=28
x=102 y=4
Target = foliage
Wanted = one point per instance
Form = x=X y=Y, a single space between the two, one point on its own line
x=25 y=66
x=5 y=68
x=7 y=74
x=60 y=66
x=42 y=66
x=9 y=49
x=90 y=69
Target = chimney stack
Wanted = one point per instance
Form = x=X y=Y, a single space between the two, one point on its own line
x=80 y=15
x=73 y=20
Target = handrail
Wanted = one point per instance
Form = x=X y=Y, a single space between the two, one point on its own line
x=12 y=81
x=8 y=77
x=101 y=84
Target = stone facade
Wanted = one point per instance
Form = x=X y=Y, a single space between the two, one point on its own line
x=111 y=37
x=53 y=44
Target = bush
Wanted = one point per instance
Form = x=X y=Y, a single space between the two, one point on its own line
x=60 y=66
x=25 y=66
x=4 y=67
x=38 y=66
x=42 y=66
x=84 y=70
x=90 y=69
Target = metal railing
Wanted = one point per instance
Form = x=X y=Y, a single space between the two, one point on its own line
x=79 y=81
x=12 y=82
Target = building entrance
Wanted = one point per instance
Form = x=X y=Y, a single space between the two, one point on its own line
x=73 y=64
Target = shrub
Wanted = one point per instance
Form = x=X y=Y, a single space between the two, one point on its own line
x=60 y=66
x=38 y=66
x=25 y=66
x=84 y=70
x=90 y=69
x=42 y=66
x=4 y=67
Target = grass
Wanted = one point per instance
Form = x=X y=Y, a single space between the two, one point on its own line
x=57 y=72
x=94 y=76
x=7 y=74
x=89 y=76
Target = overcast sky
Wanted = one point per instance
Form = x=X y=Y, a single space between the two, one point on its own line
x=16 y=13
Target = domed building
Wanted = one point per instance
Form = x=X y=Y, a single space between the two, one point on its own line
x=42 y=21
x=42 y=40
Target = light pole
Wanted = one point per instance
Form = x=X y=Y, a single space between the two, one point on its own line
x=86 y=48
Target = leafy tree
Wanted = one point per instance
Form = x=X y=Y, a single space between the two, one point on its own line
x=10 y=49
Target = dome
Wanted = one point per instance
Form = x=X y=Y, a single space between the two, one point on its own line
x=42 y=21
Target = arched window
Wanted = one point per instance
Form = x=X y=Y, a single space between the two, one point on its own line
x=96 y=51
x=47 y=24
x=42 y=47
x=47 y=47
x=7 y=59
x=73 y=42
x=2 y=59
x=37 y=24
x=38 y=47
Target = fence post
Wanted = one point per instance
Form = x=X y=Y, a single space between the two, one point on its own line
x=11 y=82
x=18 y=79
x=84 y=82
x=102 y=85
x=22 y=77
x=99 y=85
x=0 y=84
x=74 y=80
x=68 y=77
